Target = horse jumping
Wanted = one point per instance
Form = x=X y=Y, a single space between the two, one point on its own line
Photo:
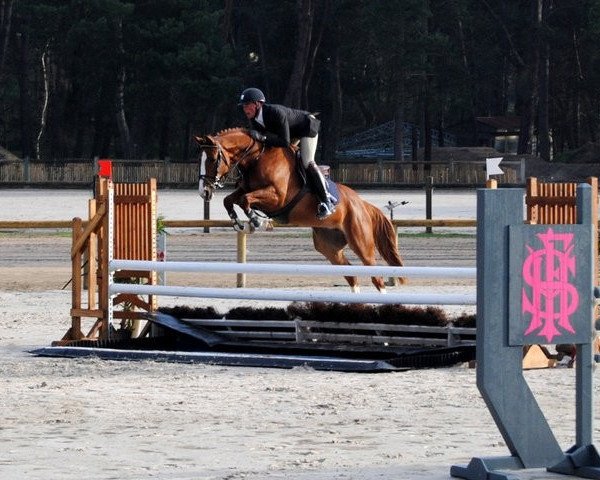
x=269 y=181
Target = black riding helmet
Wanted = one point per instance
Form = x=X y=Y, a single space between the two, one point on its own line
x=251 y=95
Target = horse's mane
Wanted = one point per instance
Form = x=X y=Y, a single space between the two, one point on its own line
x=226 y=131
x=232 y=130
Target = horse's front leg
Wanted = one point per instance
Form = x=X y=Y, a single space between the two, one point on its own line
x=255 y=221
x=229 y=202
x=265 y=199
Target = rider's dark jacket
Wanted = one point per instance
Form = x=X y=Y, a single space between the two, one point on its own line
x=282 y=124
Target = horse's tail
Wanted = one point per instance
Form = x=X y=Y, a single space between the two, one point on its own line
x=386 y=237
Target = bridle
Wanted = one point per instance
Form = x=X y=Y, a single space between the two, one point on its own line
x=212 y=180
x=234 y=171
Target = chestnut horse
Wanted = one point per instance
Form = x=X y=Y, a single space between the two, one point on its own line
x=269 y=180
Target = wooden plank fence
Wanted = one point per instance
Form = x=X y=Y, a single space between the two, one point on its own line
x=78 y=173
x=442 y=173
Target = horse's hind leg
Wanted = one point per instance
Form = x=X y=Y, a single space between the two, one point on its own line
x=362 y=242
x=330 y=243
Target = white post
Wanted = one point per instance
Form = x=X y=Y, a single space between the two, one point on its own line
x=110 y=205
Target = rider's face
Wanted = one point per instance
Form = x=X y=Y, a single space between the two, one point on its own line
x=251 y=109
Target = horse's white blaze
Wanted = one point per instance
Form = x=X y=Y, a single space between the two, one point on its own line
x=202 y=173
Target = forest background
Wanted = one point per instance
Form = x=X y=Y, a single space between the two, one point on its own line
x=137 y=78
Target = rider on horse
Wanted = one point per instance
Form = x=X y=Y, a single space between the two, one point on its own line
x=276 y=125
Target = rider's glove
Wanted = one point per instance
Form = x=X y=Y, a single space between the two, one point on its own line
x=256 y=135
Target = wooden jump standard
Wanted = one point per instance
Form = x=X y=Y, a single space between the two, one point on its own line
x=133 y=237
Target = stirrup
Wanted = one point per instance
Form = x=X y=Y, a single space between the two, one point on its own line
x=324 y=210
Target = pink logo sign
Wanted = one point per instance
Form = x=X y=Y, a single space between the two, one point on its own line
x=547 y=272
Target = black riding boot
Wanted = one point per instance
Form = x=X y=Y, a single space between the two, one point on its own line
x=318 y=185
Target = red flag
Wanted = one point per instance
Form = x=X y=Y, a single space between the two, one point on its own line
x=105 y=168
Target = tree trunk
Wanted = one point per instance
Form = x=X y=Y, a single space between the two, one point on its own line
x=187 y=140
x=441 y=130
x=325 y=20
x=414 y=140
x=527 y=84
x=331 y=132
x=293 y=95
x=46 y=77
x=79 y=136
x=25 y=110
x=427 y=126
x=399 y=131
x=226 y=23
x=469 y=74
x=525 y=91
x=122 y=126
x=263 y=64
x=368 y=114
x=544 y=69
x=164 y=135
x=5 y=25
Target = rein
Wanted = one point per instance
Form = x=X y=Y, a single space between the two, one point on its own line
x=237 y=169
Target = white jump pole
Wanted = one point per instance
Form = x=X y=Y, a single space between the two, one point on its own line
x=297 y=295
x=295 y=269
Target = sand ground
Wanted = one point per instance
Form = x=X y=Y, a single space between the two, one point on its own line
x=69 y=419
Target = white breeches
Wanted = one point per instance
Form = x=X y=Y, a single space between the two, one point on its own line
x=308 y=148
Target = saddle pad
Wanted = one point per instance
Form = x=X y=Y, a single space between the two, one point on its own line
x=333 y=191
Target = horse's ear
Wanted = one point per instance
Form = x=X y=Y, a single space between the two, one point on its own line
x=204 y=140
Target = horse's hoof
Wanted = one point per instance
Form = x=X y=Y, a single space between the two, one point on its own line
x=256 y=222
